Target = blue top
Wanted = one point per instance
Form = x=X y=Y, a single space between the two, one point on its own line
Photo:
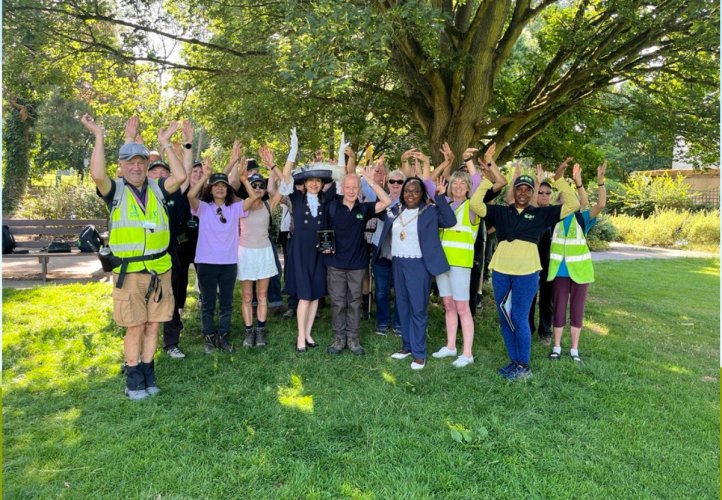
x=567 y=221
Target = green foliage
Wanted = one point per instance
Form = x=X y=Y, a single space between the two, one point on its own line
x=641 y=195
x=66 y=201
x=273 y=424
x=16 y=153
x=601 y=234
x=670 y=228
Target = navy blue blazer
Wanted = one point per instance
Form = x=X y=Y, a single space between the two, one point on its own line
x=431 y=218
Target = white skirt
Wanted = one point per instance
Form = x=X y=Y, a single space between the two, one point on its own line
x=256 y=263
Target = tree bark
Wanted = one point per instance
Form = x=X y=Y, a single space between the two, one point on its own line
x=17 y=139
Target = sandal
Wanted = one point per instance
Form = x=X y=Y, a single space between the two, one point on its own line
x=576 y=358
x=554 y=356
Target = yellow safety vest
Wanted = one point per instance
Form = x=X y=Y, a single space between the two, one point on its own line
x=458 y=241
x=135 y=232
x=572 y=247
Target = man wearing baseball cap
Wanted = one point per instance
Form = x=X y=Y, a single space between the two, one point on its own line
x=139 y=238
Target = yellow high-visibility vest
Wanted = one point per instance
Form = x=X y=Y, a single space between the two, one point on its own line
x=458 y=241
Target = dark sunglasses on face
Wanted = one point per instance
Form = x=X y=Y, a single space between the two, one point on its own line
x=258 y=185
x=219 y=212
x=395 y=181
x=545 y=193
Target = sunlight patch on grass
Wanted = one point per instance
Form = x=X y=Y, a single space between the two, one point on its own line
x=709 y=271
x=354 y=493
x=596 y=328
x=676 y=369
x=389 y=378
x=292 y=398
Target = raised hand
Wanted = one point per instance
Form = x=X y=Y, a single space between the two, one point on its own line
x=447 y=152
x=539 y=173
x=407 y=154
x=441 y=185
x=341 y=149
x=90 y=124
x=470 y=153
x=165 y=135
x=243 y=169
x=489 y=153
x=131 y=129
x=236 y=151
x=601 y=170
x=562 y=168
x=266 y=155
x=207 y=169
x=577 y=174
x=187 y=132
x=293 y=152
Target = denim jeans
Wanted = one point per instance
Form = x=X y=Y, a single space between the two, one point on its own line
x=523 y=289
x=216 y=280
x=382 y=290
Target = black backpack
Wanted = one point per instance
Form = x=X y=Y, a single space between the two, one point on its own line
x=89 y=239
x=8 y=240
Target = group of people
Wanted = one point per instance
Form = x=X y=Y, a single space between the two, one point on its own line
x=408 y=228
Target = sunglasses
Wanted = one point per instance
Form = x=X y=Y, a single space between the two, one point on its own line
x=258 y=185
x=395 y=181
x=545 y=193
x=219 y=212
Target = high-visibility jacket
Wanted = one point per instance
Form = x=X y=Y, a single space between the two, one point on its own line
x=571 y=246
x=135 y=232
x=458 y=241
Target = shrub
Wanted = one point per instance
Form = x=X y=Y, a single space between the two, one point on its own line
x=641 y=195
x=669 y=228
x=66 y=201
x=601 y=234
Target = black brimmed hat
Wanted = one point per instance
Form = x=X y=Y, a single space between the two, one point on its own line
x=321 y=171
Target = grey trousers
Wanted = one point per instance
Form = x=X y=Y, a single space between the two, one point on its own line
x=344 y=291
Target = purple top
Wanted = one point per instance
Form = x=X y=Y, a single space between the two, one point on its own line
x=218 y=242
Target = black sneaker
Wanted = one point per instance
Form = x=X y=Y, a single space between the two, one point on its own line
x=209 y=344
x=223 y=343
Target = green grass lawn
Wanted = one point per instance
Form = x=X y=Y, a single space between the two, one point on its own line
x=638 y=419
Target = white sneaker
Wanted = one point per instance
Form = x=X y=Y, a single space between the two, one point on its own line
x=462 y=361
x=400 y=355
x=444 y=352
x=418 y=366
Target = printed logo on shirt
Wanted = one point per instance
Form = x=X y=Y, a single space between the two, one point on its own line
x=360 y=216
x=529 y=216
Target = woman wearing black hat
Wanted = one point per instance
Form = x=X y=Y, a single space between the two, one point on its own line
x=306 y=271
x=218 y=212
x=515 y=263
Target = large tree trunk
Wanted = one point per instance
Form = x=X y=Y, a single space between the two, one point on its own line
x=17 y=143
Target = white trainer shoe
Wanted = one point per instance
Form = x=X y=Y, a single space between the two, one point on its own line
x=444 y=352
x=462 y=361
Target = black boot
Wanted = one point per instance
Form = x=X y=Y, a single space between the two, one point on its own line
x=151 y=386
x=135 y=383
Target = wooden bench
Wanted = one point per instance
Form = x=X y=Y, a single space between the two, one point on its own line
x=32 y=237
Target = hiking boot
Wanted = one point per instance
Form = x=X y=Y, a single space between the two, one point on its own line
x=223 y=342
x=338 y=345
x=260 y=336
x=289 y=314
x=148 y=369
x=174 y=352
x=546 y=339
x=355 y=346
x=209 y=343
x=250 y=337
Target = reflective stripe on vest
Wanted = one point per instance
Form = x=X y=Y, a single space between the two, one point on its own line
x=572 y=248
x=458 y=241
x=134 y=232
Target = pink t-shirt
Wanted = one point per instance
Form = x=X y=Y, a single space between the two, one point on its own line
x=218 y=241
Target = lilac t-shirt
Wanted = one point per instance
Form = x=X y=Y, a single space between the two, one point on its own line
x=218 y=242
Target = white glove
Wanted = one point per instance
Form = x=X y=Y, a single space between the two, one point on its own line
x=342 y=151
x=293 y=152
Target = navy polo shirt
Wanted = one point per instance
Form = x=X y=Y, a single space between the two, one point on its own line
x=351 y=249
